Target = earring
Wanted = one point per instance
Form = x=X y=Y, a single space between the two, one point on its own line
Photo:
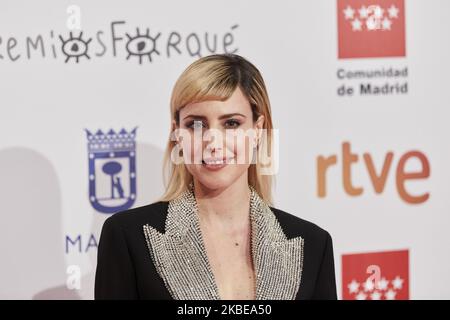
x=180 y=148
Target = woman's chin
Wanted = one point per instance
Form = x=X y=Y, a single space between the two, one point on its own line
x=215 y=182
x=215 y=185
x=218 y=178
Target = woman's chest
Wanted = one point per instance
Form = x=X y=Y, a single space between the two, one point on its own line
x=231 y=263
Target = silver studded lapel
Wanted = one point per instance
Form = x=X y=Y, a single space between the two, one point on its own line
x=180 y=258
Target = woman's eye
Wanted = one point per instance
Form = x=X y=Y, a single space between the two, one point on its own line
x=232 y=123
x=196 y=124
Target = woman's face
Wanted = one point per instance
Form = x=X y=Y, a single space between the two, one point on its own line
x=217 y=138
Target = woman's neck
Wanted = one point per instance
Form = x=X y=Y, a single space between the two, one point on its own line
x=228 y=206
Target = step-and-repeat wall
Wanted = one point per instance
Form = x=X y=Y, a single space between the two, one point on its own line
x=359 y=92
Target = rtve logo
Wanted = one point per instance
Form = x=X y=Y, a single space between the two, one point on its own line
x=377 y=177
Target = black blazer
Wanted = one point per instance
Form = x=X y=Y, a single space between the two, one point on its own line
x=126 y=268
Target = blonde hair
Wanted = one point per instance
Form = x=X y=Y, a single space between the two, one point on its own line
x=216 y=77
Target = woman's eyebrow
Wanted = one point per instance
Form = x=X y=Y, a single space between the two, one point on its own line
x=224 y=116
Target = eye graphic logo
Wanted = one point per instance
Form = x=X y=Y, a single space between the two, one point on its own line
x=112 y=170
x=371 y=28
x=142 y=45
x=75 y=47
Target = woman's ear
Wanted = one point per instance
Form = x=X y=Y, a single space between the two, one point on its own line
x=259 y=125
x=175 y=132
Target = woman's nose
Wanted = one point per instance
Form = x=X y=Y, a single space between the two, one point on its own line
x=214 y=141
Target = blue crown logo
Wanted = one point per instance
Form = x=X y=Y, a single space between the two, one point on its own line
x=112 y=170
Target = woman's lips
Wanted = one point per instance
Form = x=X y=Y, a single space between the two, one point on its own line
x=215 y=164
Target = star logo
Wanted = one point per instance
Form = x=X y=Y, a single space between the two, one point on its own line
x=376 y=276
x=371 y=28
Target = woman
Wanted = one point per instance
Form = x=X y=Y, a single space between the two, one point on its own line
x=214 y=234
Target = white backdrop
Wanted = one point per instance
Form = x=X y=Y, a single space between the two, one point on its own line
x=50 y=229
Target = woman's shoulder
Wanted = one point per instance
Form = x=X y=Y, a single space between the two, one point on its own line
x=294 y=226
x=153 y=214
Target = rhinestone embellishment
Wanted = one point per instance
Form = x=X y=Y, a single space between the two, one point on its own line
x=180 y=258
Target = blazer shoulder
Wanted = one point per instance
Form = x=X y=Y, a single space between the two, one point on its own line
x=294 y=226
x=153 y=214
